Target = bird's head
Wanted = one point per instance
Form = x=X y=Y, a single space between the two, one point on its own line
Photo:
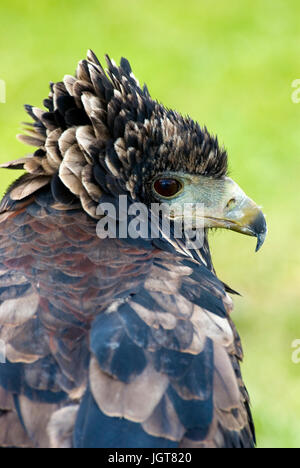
x=183 y=165
x=103 y=134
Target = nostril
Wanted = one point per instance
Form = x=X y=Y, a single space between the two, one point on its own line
x=231 y=203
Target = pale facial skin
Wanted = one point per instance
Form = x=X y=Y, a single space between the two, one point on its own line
x=225 y=205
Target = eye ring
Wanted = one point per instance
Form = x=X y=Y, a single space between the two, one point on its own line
x=167 y=187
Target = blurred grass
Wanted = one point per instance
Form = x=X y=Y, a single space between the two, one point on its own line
x=229 y=65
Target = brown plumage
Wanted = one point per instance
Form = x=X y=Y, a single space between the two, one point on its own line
x=112 y=342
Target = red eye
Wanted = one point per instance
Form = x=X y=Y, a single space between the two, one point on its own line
x=167 y=187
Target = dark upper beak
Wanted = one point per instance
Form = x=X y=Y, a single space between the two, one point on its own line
x=252 y=222
x=259 y=229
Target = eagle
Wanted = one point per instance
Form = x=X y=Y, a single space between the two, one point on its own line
x=118 y=341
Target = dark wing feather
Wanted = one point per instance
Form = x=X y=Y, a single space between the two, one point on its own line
x=12 y=433
x=110 y=345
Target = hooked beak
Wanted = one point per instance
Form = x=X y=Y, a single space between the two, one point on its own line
x=251 y=222
x=224 y=205
x=237 y=212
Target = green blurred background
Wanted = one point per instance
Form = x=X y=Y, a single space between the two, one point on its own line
x=230 y=65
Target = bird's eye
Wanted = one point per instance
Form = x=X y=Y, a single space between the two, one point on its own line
x=167 y=187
